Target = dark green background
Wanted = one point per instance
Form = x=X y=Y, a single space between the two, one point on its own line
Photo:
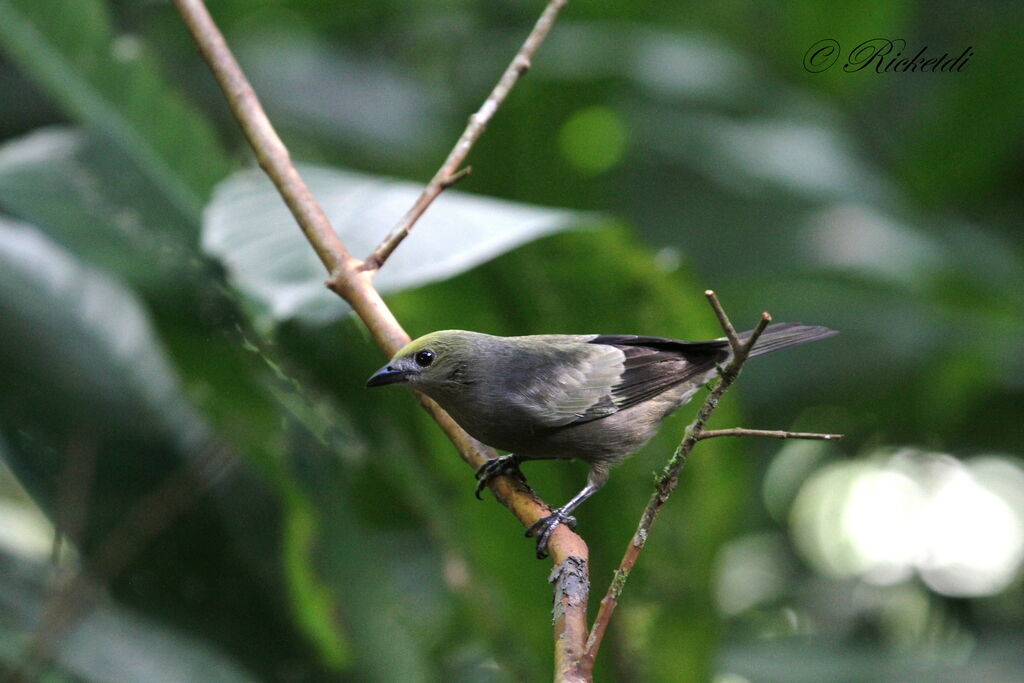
x=348 y=545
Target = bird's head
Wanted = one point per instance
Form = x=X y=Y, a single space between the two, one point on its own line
x=431 y=361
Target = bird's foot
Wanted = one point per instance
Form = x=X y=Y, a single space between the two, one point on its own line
x=496 y=467
x=544 y=527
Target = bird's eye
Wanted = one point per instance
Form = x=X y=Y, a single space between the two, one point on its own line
x=424 y=358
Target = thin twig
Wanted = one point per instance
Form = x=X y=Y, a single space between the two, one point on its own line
x=351 y=279
x=457 y=176
x=766 y=434
x=477 y=124
x=74 y=489
x=669 y=478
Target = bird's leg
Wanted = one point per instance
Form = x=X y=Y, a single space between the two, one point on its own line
x=544 y=526
x=495 y=467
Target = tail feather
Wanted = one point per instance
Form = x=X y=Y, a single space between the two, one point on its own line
x=784 y=335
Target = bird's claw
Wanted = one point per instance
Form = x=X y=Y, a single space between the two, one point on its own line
x=544 y=527
x=496 y=467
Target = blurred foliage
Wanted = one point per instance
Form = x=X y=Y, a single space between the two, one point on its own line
x=152 y=328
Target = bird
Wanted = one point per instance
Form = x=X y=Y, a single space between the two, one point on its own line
x=596 y=398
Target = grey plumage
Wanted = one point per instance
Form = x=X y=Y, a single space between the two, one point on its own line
x=596 y=398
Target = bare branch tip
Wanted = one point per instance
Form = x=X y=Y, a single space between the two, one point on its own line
x=764 y=433
x=723 y=319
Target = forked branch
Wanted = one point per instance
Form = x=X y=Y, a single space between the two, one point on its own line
x=350 y=278
x=448 y=173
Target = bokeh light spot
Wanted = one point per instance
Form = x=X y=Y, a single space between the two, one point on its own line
x=958 y=526
x=593 y=140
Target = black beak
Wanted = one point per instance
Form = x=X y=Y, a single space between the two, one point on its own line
x=387 y=375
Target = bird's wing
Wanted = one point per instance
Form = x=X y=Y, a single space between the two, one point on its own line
x=580 y=385
x=608 y=373
x=654 y=365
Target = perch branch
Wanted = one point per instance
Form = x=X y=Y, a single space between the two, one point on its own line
x=669 y=477
x=448 y=173
x=351 y=280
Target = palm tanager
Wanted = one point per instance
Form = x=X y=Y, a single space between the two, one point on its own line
x=596 y=398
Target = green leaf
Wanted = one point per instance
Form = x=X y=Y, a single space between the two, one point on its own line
x=110 y=83
x=78 y=360
x=109 y=643
x=84 y=382
x=120 y=222
x=90 y=197
x=248 y=228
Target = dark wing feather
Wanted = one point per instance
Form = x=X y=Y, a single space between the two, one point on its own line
x=652 y=366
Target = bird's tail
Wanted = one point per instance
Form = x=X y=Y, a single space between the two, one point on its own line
x=784 y=335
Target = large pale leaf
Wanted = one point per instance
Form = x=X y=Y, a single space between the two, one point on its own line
x=248 y=228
